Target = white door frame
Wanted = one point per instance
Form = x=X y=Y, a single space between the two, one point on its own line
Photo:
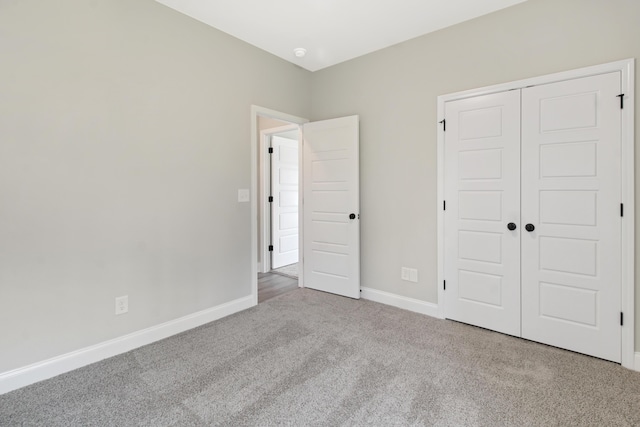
x=255 y=158
x=626 y=68
x=263 y=192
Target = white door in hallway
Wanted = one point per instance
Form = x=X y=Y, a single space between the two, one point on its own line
x=284 y=207
x=331 y=206
x=482 y=193
x=571 y=192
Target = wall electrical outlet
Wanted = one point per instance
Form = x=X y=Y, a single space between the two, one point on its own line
x=122 y=304
x=409 y=274
x=243 y=195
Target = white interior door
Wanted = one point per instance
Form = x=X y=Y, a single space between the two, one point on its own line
x=571 y=193
x=284 y=207
x=482 y=196
x=331 y=201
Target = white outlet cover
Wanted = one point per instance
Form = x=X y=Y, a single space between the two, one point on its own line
x=413 y=275
x=122 y=304
x=243 y=195
x=409 y=274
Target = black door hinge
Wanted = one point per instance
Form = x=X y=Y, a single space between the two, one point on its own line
x=445 y=285
x=444 y=124
x=621 y=209
x=621 y=319
x=270 y=199
x=270 y=150
x=270 y=248
x=444 y=205
x=621 y=96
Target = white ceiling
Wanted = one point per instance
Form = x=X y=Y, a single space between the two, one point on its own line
x=332 y=31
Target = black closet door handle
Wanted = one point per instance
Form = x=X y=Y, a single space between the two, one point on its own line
x=352 y=216
x=511 y=226
x=529 y=227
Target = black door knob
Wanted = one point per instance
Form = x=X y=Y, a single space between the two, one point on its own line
x=352 y=216
x=529 y=227
x=511 y=226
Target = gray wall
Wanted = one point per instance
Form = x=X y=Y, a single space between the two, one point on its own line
x=394 y=91
x=124 y=137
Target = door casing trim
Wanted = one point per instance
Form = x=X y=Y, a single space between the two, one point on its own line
x=627 y=69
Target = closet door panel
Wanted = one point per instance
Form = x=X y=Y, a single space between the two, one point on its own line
x=571 y=194
x=482 y=192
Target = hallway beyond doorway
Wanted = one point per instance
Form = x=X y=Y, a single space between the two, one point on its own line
x=290 y=270
x=272 y=285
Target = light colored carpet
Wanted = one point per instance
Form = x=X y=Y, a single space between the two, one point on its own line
x=308 y=358
x=288 y=270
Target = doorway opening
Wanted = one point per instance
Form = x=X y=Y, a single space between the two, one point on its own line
x=276 y=140
x=328 y=173
x=279 y=194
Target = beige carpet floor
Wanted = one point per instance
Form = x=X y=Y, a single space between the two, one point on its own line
x=308 y=358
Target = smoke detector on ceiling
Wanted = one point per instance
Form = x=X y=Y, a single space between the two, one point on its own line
x=300 y=52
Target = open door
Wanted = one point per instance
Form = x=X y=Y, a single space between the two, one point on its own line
x=284 y=205
x=331 y=197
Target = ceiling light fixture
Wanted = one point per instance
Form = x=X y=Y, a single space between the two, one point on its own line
x=300 y=52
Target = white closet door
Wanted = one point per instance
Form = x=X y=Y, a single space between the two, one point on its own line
x=284 y=208
x=482 y=193
x=571 y=194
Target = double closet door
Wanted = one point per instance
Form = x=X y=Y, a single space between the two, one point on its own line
x=532 y=219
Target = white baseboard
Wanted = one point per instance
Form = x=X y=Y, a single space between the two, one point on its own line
x=636 y=363
x=20 y=377
x=399 y=301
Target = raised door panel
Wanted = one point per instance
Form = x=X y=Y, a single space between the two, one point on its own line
x=571 y=195
x=482 y=193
